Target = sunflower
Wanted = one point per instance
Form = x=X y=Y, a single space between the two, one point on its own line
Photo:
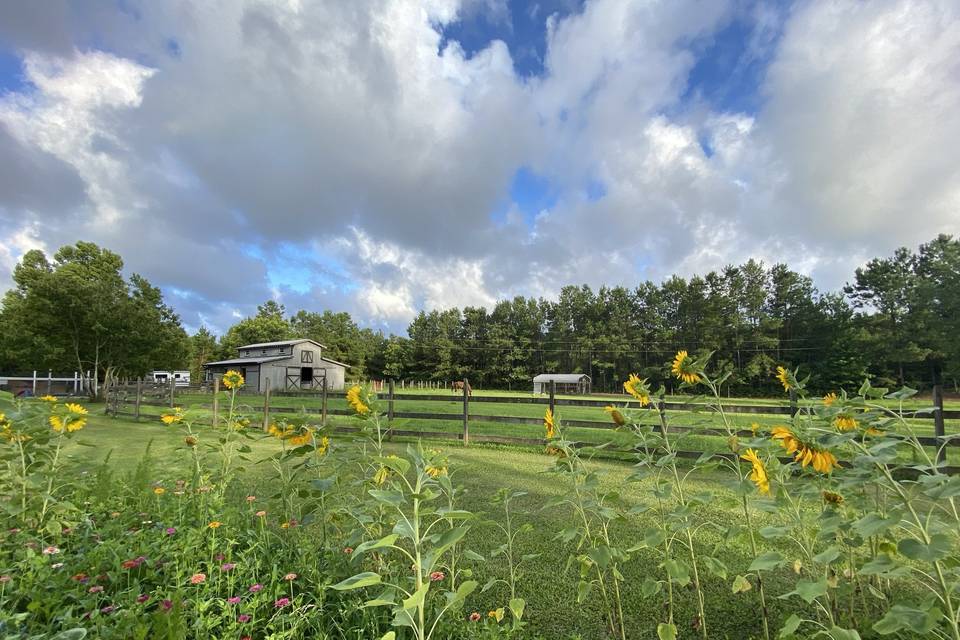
x=845 y=422
x=829 y=497
x=548 y=424
x=323 y=446
x=435 y=471
x=69 y=424
x=806 y=454
x=75 y=409
x=356 y=400
x=381 y=475
x=214 y=524
x=232 y=380
x=683 y=368
x=615 y=415
x=758 y=475
x=171 y=418
x=301 y=438
x=785 y=378
x=829 y=399
x=638 y=389
x=48 y=398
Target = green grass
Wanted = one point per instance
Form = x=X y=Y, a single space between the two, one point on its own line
x=549 y=589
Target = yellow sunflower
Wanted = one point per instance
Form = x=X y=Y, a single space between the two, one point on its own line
x=829 y=399
x=615 y=415
x=548 y=424
x=806 y=454
x=845 y=422
x=784 y=377
x=75 y=409
x=683 y=368
x=638 y=388
x=232 y=380
x=758 y=475
x=356 y=400
x=48 y=398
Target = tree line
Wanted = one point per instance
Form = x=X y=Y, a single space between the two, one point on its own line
x=897 y=321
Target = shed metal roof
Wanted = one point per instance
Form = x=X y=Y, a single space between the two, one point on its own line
x=279 y=343
x=560 y=377
x=242 y=361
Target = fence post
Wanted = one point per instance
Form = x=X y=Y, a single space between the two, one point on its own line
x=34 y=382
x=323 y=403
x=553 y=394
x=49 y=383
x=466 y=412
x=266 y=409
x=793 y=403
x=216 y=401
x=662 y=410
x=938 y=427
x=139 y=393
x=172 y=383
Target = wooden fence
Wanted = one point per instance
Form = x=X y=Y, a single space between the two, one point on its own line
x=127 y=400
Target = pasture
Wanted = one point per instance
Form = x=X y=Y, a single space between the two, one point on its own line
x=172 y=527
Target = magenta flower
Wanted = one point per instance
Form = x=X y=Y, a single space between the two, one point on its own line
x=171 y=531
x=243 y=618
x=95 y=589
x=234 y=600
x=255 y=587
x=282 y=602
x=167 y=605
x=227 y=567
x=107 y=609
x=143 y=597
x=219 y=556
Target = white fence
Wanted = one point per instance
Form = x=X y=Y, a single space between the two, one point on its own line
x=39 y=383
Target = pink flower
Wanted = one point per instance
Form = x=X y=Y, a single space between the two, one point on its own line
x=95 y=589
x=243 y=618
x=290 y=576
x=282 y=602
x=5 y=579
x=198 y=578
x=219 y=556
x=234 y=600
x=437 y=576
x=255 y=587
x=227 y=567
x=348 y=550
x=49 y=551
x=251 y=498
x=166 y=605
x=260 y=514
x=475 y=617
x=143 y=597
x=107 y=609
x=171 y=530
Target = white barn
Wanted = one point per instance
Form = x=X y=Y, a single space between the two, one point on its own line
x=572 y=383
x=286 y=365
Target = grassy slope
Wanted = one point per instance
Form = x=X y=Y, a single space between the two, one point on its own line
x=549 y=590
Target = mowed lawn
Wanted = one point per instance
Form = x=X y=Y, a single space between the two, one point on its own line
x=548 y=587
x=449 y=404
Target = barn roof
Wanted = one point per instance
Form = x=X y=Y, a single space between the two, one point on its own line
x=242 y=361
x=560 y=377
x=280 y=343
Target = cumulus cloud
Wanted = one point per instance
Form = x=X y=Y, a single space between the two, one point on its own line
x=349 y=156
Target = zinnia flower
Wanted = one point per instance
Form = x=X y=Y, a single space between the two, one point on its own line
x=348 y=550
x=143 y=597
x=233 y=600
x=758 y=475
x=682 y=368
x=198 y=578
x=548 y=424
x=356 y=401
x=232 y=380
x=260 y=514
x=167 y=605
x=785 y=379
x=437 y=576
x=170 y=531
x=51 y=550
x=95 y=589
x=475 y=616
x=290 y=576
x=254 y=588
x=638 y=389
x=243 y=617
x=227 y=567
x=159 y=491
x=282 y=602
x=251 y=498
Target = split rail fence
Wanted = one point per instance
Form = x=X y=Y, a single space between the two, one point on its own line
x=128 y=400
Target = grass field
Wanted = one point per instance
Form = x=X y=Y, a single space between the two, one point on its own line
x=549 y=590
x=199 y=405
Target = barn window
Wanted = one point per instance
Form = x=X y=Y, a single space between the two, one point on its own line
x=306 y=356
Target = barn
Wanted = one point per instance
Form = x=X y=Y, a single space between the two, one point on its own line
x=571 y=383
x=286 y=365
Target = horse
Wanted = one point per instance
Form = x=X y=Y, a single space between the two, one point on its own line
x=457 y=386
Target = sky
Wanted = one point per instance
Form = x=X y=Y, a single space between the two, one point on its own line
x=387 y=156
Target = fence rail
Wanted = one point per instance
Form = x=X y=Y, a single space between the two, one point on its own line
x=123 y=397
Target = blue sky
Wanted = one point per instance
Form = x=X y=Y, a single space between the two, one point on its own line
x=346 y=157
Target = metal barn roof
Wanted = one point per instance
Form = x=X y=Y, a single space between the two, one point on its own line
x=242 y=361
x=560 y=377
x=279 y=343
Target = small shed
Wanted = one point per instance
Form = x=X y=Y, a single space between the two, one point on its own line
x=286 y=365
x=570 y=383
